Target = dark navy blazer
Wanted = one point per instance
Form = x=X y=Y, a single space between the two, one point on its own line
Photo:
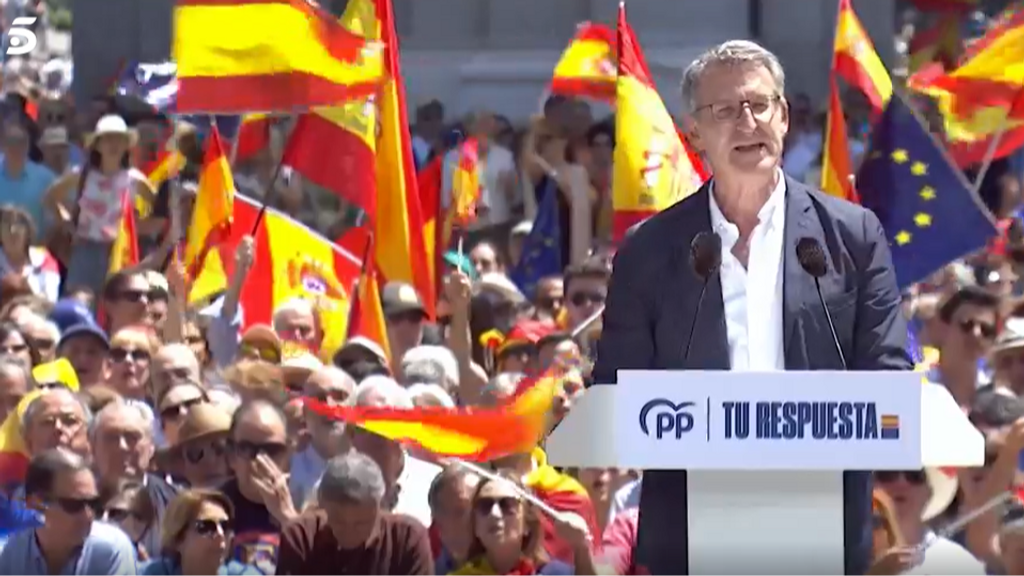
x=651 y=301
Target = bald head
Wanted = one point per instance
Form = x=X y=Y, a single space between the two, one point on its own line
x=330 y=384
x=170 y=364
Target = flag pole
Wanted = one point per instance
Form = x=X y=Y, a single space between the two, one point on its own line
x=990 y=156
x=267 y=196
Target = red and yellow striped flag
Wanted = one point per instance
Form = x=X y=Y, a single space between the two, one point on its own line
x=836 y=167
x=401 y=246
x=366 y=315
x=214 y=206
x=124 y=253
x=654 y=167
x=165 y=166
x=466 y=187
x=854 y=58
x=588 y=65
x=239 y=56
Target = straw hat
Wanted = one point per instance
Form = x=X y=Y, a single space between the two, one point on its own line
x=203 y=421
x=111 y=125
x=944 y=488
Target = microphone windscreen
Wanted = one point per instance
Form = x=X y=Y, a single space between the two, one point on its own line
x=705 y=254
x=812 y=257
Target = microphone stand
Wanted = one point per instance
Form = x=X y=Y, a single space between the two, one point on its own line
x=831 y=326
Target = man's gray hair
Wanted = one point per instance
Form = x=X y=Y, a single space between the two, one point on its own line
x=17 y=365
x=351 y=478
x=375 y=390
x=36 y=405
x=730 y=53
x=427 y=364
x=296 y=304
x=122 y=405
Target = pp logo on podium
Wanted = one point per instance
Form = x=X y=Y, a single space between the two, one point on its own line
x=669 y=417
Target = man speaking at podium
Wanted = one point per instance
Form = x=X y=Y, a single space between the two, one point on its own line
x=736 y=241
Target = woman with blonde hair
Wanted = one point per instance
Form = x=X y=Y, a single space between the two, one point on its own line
x=197 y=531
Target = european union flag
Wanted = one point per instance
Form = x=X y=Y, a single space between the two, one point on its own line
x=542 y=253
x=930 y=214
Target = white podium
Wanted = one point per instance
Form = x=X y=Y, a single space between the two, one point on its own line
x=765 y=453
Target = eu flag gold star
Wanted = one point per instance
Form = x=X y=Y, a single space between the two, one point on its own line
x=902 y=237
x=927 y=193
x=923 y=220
x=918 y=168
x=899 y=156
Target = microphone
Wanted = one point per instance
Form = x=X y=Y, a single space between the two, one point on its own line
x=705 y=259
x=812 y=259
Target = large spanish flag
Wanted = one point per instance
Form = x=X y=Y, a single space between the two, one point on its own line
x=654 y=167
x=293 y=261
x=588 y=65
x=981 y=100
x=240 y=56
x=214 y=205
x=124 y=253
x=401 y=246
x=854 y=58
x=477 y=434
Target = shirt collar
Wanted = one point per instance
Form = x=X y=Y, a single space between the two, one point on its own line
x=766 y=214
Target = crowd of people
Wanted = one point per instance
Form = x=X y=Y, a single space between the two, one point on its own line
x=180 y=444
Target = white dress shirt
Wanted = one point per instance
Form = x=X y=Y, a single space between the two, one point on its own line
x=753 y=295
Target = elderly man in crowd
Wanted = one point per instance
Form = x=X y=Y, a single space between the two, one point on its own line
x=352 y=532
x=331 y=387
x=57 y=418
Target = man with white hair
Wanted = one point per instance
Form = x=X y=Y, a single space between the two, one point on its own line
x=296 y=320
x=407 y=477
x=122 y=449
x=426 y=364
x=329 y=386
x=762 y=312
x=43 y=335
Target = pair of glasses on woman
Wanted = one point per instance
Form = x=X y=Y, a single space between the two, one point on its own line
x=508 y=505
x=212 y=527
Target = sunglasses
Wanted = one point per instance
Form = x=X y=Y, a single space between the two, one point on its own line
x=251 y=450
x=127 y=355
x=179 y=410
x=79 y=505
x=212 y=527
x=582 y=298
x=507 y=504
x=134 y=296
x=987 y=330
x=407 y=317
x=195 y=454
x=915 y=477
x=118 y=515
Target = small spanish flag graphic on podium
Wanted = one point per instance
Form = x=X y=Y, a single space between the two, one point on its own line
x=890 y=427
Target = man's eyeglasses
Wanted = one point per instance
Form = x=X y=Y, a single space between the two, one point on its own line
x=582 y=298
x=761 y=107
x=134 y=296
x=79 y=505
x=986 y=330
x=251 y=450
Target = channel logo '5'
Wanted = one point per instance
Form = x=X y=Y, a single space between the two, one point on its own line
x=668 y=417
x=21 y=40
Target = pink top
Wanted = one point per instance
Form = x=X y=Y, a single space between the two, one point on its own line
x=100 y=204
x=619 y=541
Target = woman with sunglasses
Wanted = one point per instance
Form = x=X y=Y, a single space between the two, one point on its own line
x=14 y=342
x=507 y=536
x=19 y=257
x=197 y=532
x=130 y=351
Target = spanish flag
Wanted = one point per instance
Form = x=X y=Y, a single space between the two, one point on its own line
x=982 y=99
x=466 y=186
x=588 y=65
x=399 y=229
x=293 y=261
x=124 y=253
x=13 y=452
x=937 y=44
x=654 y=168
x=476 y=434
x=239 y=56
x=436 y=225
x=563 y=493
x=836 y=168
x=212 y=215
x=855 y=60
x=366 y=315
x=253 y=136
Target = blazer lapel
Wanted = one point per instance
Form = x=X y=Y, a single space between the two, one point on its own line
x=710 y=347
x=797 y=284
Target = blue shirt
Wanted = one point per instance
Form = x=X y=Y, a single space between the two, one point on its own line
x=26 y=190
x=171 y=567
x=107 y=550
